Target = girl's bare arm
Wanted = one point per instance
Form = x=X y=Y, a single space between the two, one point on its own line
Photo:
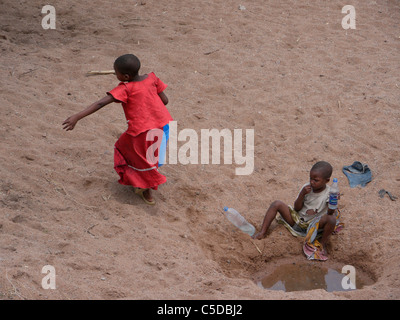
x=70 y=122
x=163 y=98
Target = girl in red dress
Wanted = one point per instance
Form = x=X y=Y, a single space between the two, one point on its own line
x=143 y=100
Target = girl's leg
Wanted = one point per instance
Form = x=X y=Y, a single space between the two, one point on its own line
x=274 y=208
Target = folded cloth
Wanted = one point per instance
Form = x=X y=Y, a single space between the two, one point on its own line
x=357 y=174
x=312 y=248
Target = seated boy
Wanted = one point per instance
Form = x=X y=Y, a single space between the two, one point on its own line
x=310 y=214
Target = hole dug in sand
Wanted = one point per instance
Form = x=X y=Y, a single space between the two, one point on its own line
x=281 y=265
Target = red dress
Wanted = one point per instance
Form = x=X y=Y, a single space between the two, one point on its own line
x=144 y=111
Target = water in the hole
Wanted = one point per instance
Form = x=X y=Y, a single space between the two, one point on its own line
x=299 y=277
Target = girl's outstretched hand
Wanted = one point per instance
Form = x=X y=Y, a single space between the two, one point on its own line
x=70 y=122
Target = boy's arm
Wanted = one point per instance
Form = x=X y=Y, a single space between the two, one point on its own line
x=163 y=98
x=298 y=204
x=71 y=121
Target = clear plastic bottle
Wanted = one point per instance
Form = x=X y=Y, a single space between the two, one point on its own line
x=235 y=217
x=333 y=195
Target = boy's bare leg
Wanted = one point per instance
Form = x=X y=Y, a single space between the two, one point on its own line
x=327 y=223
x=274 y=208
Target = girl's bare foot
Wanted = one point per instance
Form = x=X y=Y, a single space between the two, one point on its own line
x=146 y=195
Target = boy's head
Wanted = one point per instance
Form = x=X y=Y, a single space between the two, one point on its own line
x=126 y=67
x=320 y=175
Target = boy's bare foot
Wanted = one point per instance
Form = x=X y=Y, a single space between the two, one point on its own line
x=258 y=235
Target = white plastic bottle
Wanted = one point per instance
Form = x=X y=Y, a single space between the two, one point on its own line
x=235 y=217
x=333 y=195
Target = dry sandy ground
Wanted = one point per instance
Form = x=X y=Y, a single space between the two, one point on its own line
x=309 y=89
